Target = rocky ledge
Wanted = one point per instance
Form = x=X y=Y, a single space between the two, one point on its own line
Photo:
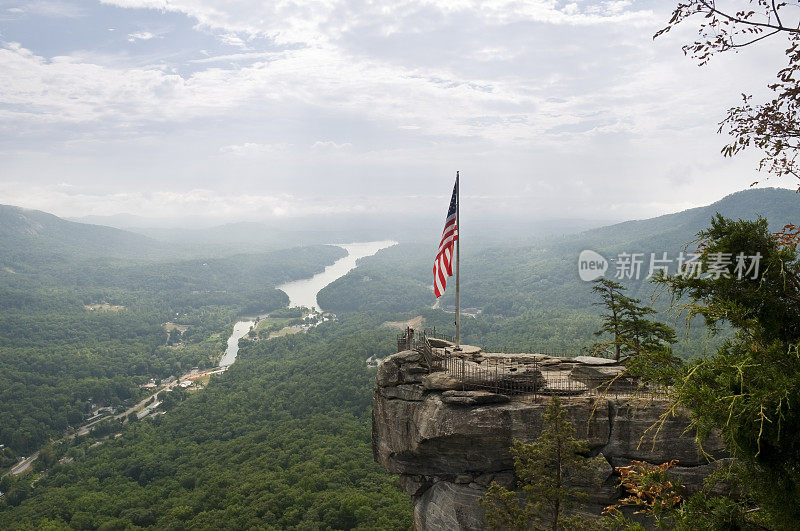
x=449 y=444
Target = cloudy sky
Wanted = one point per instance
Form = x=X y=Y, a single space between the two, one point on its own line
x=241 y=109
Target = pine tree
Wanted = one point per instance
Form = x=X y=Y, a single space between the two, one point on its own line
x=546 y=471
x=640 y=334
x=749 y=390
x=626 y=321
x=611 y=292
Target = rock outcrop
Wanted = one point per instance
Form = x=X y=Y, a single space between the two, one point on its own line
x=449 y=444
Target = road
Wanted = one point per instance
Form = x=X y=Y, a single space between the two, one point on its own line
x=24 y=465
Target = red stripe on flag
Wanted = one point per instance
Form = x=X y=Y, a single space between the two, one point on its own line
x=443 y=263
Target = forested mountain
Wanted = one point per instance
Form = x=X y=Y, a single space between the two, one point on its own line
x=26 y=233
x=531 y=294
x=507 y=280
x=394 y=279
x=779 y=206
x=280 y=441
x=83 y=311
x=218 y=240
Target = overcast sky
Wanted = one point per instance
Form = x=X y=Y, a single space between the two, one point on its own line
x=242 y=109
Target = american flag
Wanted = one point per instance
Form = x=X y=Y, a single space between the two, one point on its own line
x=443 y=265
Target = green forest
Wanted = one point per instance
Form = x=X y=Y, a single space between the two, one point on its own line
x=188 y=340
x=74 y=335
x=280 y=441
x=529 y=296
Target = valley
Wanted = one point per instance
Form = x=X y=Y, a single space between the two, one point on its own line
x=382 y=266
x=280 y=420
x=297 y=289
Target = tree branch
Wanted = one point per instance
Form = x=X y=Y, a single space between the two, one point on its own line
x=770 y=34
x=779 y=27
x=777 y=16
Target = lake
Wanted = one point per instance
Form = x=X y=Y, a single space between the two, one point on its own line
x=304 y=292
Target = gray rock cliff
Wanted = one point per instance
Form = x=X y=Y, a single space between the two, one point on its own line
x=449 y=444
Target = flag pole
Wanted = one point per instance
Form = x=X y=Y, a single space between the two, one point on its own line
x=458 y=264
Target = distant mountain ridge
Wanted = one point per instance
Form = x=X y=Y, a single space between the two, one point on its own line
x=26 y=232
x=309 y=230
x=510 y=279
x=779 y=206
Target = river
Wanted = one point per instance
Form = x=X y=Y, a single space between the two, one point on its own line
x=304 y=292
x=240 y=329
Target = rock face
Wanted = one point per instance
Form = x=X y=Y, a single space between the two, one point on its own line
x=449 y=444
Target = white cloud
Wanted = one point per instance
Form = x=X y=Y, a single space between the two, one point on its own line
x=237 y=57
x=616 y=6
x=141 y=36
x=232 y=40
x=253 y=148
x=379 y=97
x=321 y=21
x=68 y=89
x=203 y=203
x=330 y=145
x=53 y=9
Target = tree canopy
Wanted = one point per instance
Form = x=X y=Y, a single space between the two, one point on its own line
x=749 y=390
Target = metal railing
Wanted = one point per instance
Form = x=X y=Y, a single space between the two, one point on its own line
x=521 y=375
x=516 y=377
x=417 y=339
x=432 y=333
x=554 y=352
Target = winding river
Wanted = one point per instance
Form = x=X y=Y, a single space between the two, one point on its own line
x=304 y=292
x=240 y=329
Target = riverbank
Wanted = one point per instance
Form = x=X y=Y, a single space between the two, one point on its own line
x=304 y=292
x=305 y=289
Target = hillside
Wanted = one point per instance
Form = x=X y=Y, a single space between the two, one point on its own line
x=32 y=235
x=282 y=439
x=778 y=205
x=507 y=280
x=279 y=441
x=85 y=313
x=531 y=295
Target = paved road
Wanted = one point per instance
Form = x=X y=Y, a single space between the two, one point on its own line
x=24 y=465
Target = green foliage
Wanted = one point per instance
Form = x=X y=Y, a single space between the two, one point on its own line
x=279 y=441
x=626 y=322
x=641 y=334
x=646 y=341
x=771 y=126
x=658 y=495
x=750 y=389
x=547 y=471
x=610 y=293
x=293 y=312
x=58 y=357
x=393 y=280
x=767 y=304
x=651 y=490
x=529 y=293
